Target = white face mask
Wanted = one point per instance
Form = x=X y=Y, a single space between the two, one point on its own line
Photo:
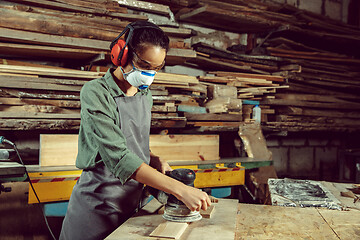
x=139 y=78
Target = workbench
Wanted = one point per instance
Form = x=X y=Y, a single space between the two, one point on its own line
x=276 y=222
x=259 y=222
x=220 y=226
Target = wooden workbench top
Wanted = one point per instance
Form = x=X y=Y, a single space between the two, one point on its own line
x=233 y=220
x=221 y=226
x=275 y=222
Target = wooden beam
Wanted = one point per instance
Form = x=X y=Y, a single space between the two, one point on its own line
x=285 y=102
x=12 y=35
x=145 y=6
x=24 y=50
x=28 y=101
x=67 y=6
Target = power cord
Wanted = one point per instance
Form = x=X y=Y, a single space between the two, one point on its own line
x=32 y=187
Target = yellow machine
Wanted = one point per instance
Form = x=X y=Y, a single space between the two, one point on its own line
x=53 y=186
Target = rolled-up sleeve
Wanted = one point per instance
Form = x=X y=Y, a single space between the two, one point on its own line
x=102 y=136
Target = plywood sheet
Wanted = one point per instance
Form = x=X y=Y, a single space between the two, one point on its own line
x=221 y=226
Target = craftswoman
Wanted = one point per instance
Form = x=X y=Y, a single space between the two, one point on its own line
x=113 y=148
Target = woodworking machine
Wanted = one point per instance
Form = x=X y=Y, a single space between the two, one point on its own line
x=175 y=210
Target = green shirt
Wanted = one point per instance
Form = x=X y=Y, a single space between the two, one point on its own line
x=100 y=136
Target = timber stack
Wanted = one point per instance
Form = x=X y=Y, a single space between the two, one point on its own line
x=303 y=69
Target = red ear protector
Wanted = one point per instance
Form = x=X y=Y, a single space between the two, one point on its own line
x=120 y=48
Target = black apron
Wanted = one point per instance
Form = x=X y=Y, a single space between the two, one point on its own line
x=99 y=203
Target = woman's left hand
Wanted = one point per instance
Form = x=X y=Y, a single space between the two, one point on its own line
x=158 y=164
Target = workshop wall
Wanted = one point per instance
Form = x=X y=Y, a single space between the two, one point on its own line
x=310 y=157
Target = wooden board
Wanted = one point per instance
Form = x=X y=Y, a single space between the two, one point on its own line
x=167 y=147
x=221 y=226
x=169 y=230
x=185 y=147
x=58 y=150
x=48 y=51
x=208 y=212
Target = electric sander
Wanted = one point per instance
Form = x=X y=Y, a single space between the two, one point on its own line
x=175 y=210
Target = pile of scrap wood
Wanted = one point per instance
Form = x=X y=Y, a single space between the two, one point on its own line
x=76 y=31
x=302 y=68
x=323 y=90
x=318 y=57
x=35 y=96
x=43 y=97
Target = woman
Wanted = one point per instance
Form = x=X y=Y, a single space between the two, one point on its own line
x=114 y=140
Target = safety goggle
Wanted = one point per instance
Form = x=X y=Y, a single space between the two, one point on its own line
x=145 y=65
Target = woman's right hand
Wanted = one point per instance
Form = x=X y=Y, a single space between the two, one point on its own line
x=193 y=198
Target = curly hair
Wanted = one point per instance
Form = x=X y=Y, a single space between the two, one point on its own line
x=149 y=35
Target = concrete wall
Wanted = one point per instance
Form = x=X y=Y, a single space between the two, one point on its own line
x=310 y=157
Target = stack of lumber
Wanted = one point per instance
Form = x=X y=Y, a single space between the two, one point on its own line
x=302 y=68
x=246 y=87
x=323 y=89
x=35 y=96
x=257 y=17
x=318 y=57
x=44 y=97
x=75 y=30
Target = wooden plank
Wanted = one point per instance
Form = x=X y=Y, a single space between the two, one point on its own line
x=310 y=97
x=63 y=5
x=167 y=147
x=11 y=35
x=39 y=124
x=169 y=230
x=298 y=111
x=229 y=20
x=172 y=77
x=213 y=117
x=208 y=212
x=213 y=124
x=24 y=50
x=5 y=83
x=305 y=126
x=249 y=75
x=285 y=102
x=38 y=112
x=39 y=94
x=145 y=6
x=185 y=147
x=326 y=59
x=52 y=149
x=34 y=22
x=209 y=63
x=43 y=70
